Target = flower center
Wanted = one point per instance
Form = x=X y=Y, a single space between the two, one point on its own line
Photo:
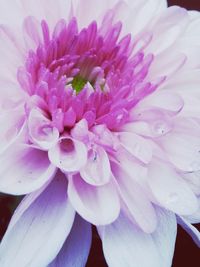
x=58 y=71
x=78 y=83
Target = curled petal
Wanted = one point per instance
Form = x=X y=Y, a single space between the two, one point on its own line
x=68 y=154
x=41 y=130
x=97 y=169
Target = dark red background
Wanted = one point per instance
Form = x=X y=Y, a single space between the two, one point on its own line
x=186 y=254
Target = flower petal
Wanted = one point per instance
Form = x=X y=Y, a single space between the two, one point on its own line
x=136 y=145
x=183 y=150
x=135 y=199
x=76 y=248
x=125 y=245
x=98 y=205
x=40 y=232
x=97 y=170
x=68 y=154
x=170 y=190
x=41 y=131
x=11 y=122
x=24 y=169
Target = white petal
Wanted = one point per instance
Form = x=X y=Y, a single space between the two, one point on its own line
x=11 y=125
x=143 y=12
x=24 y=169
x=136 y=145
x=170 y=190
x=97 y=170
x=195 y=217
x=68 y=154
x=135 y=199
x=76 y=248
x=183 y=150
x=41 y=131
x=97 y=204
x=40 y=231
x=125 y=245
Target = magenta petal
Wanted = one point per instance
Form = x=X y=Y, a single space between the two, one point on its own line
x=76 y=248
x=39 y=232
x=125 y=245
x=97 y=204
x=24 y=169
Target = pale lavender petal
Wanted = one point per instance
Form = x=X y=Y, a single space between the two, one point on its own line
x=24 y=169
x=36 y=237
x=136 y=145
x=12 y=124
x=195 y=217
x=135 y=199
x=41 y=130
x=68 y=154
x=170 y=190
x=97 y=204
x=182 y=150
x=97 y=170
x=125 y=245
x=76 y=248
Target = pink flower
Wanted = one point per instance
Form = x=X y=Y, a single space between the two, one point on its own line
x=100 y=116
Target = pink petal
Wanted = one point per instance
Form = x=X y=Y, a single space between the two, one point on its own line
x=41 y=130
x=125 y=245
x=39 y=233
x=24 y=169
x=135 y=199
x=68 y=154
x=98 y=205
x=170 y=190
x=76 y=248
x=97 y=169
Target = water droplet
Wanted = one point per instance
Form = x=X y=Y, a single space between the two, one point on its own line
x=160 y=128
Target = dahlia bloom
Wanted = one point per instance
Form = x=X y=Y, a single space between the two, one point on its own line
x=100 y=124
